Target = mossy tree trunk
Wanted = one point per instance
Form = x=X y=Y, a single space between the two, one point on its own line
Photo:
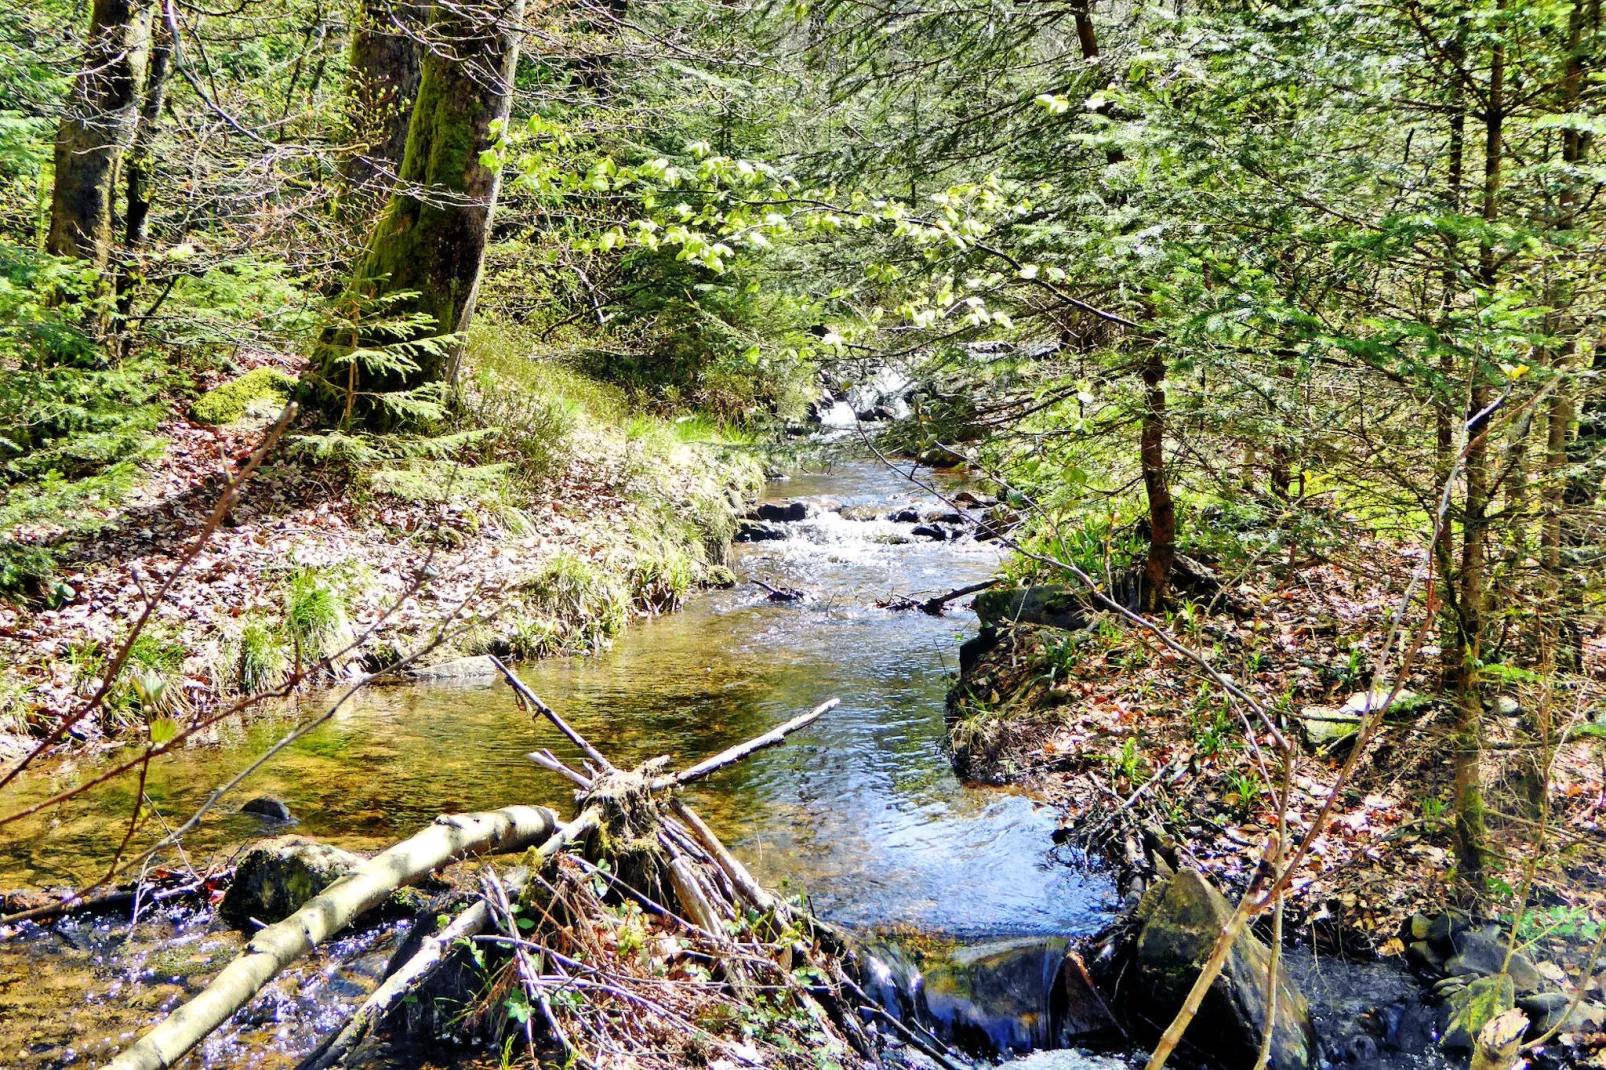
x=140 y=167
x=430 y=239
x=102 y=114
x=387 y=60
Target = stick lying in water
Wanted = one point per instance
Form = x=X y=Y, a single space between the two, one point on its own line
x=275 y=947
x=774 y=737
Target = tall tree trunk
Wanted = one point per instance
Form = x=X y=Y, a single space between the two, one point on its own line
x=430 y=240
x=102 y=112
x=387 y=61
x=1471 y=834
x=137 y=213
x=1162 y=509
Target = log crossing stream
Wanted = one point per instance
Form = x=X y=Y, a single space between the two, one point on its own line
x=862 y=810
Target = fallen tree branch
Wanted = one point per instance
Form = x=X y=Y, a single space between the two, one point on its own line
x=275 y=947
x=740 y=878
x=431 y=955
x=772 y=738
x=530 y=699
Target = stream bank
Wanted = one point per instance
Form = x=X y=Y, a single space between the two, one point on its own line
x=1151 y=771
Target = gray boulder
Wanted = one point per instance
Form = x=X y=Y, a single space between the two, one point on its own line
x=479 y=666
x=1051 y=604
x=1181 y=921
x=275 y=877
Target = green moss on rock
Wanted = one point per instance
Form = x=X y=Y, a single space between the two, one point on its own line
x=227 y=403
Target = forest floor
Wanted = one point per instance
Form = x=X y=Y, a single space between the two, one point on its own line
x=1137 y=749
x=456 y=568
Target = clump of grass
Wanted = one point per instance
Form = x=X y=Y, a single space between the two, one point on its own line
x=151 y=683
x=662 y=575
x=585 y=602
x=534 y=637
x=262 y=661
x=315 y=615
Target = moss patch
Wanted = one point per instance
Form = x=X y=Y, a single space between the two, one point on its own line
x=227 y=403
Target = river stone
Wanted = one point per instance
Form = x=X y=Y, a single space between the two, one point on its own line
x=929 y=531
x=860 y=512
x=1548 y=1010
x=267 y=806
x=1051 y=604
x=782 y=512
x=1478 y=954
x=275 y=877
x=756 y=531
x=1182 y=919
x=904 y=516
x=1472 y=1007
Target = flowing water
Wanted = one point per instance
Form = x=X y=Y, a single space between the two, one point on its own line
x=861 y=810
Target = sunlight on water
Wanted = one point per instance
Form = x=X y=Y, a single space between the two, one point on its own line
x=861 y=810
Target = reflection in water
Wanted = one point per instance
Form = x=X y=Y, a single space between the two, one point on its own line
x=861 y=810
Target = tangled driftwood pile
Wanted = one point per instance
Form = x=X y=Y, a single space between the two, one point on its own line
x=628 y=935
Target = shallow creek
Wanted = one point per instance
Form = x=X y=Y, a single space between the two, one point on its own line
x=861 y=811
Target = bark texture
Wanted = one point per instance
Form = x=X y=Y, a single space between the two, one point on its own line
x=387 y=62
x=430 y=239
x=102 y=114
x=1162 y=509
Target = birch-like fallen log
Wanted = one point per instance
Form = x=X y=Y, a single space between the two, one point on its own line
x=431 y=954
x=451 y=837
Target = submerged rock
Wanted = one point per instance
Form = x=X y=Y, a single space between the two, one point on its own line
x=277 y=876
x=1182 y=919
x=859 y=512
x=470 y=668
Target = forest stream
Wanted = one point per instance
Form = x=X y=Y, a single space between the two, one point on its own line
x=862 y=811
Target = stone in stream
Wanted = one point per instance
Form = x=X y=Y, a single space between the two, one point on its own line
x=781 y=512
x=859 y=512
x=929 y=531
x=1181 y=920
x=757 y=531
x=275 y=877
x=267 y=806
x=479 y=666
